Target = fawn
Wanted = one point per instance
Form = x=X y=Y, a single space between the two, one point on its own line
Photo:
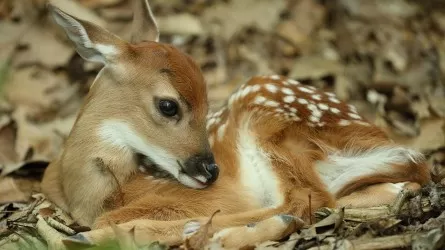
x=275 y=143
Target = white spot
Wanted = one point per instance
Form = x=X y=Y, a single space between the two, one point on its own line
x=362 y=123
x=289 y=98
x=255 y=88
x=260 y=99
x=246 y=91
x=293 y=110
x=302 y=101
x=310 y=124
x=323 y=106
x=306 y=90
x=312 y=107
x=316 y=97
x=330 y=94
x=210 y=122
x=321 y=124
x=271 y=88
x=317 y=113
x=271 y=103
x=275 y=77
x=314 y=118
x=219 y=112
x=287 y=91
x=354 y=116
x=352 y=108
x=292 y=82
x=279 y=110
x=343 y=122
x=220 y=132
x=296 y=118
x=344 y=168
x=334 y=100
x=335 y=110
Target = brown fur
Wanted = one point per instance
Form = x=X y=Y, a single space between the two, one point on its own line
x=160 y=208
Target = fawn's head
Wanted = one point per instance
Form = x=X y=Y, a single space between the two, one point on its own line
x=152 y=96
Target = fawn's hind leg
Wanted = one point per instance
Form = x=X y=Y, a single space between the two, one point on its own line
x=368 y=169
x=376 y=195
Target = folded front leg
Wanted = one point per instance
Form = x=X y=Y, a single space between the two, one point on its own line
x=171 y=232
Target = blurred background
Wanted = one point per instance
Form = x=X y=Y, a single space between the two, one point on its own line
x=387 y=57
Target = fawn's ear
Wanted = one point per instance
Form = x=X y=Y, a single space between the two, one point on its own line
x=144 y=26
x=93 y=43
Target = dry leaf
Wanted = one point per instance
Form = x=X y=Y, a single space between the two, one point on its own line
x=10 y=192
x=40 y=46
x=434 y=239
x=234 y=15
x=8 y=137
x=99 y=3
x=198 y=239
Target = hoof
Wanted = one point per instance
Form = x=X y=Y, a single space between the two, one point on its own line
x=77 y=241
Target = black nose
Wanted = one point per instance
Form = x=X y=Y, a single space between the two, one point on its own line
x=202 y=165
x=213 y=170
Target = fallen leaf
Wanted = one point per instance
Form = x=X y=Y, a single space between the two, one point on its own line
x=198 y=239
x=234 y=15
x=432 y=240
x=99 y=3
x=10 y=192
x=40 y=46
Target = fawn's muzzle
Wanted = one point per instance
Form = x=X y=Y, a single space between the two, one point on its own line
x=202 y=167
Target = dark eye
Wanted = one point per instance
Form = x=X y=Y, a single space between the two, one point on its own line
x=168 y=108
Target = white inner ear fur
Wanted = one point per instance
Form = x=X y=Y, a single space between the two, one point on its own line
x=86 y=47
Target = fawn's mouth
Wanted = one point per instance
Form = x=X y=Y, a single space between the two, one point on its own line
x=148 y=167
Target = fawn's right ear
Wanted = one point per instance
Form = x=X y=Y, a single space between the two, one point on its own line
x=144 y=26
x=92 y=42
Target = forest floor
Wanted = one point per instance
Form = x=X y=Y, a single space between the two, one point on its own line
x=386 y=57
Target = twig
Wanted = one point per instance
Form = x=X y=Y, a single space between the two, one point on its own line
x=57 y=225
x=388 y=242
x=310 y=207
x=51 y=236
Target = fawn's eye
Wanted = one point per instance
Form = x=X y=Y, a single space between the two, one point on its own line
x=168 y=108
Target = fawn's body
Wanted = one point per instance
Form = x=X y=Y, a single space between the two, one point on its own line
x=278 y=144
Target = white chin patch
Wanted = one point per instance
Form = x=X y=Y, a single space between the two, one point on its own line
x=189 y=181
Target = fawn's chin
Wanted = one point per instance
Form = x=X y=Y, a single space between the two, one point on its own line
x=148 y=168
x=190 y=181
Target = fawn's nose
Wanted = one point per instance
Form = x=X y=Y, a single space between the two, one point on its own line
x=202 y=167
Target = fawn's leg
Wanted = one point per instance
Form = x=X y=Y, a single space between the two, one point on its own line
x=171 y=232
x=369 y=169
x=376 y=195
x=51 y=186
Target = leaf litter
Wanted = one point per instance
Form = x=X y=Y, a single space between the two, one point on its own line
x=386 y=57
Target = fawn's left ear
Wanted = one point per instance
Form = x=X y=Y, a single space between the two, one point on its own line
x=144 y=26
x=92 y=42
